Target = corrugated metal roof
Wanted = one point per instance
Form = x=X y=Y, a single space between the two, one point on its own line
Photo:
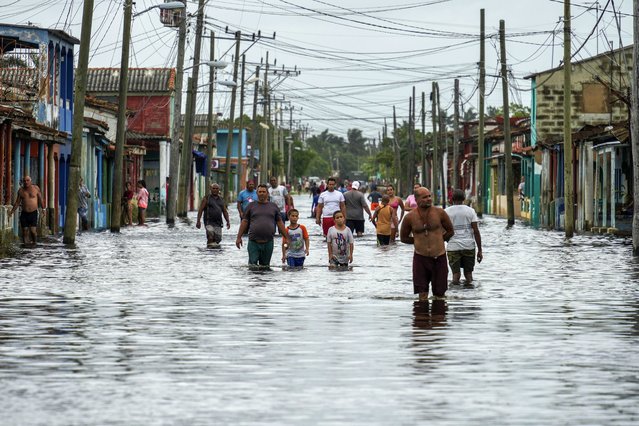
x=101 y=80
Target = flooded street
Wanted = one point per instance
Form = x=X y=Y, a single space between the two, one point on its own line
x=149 y=327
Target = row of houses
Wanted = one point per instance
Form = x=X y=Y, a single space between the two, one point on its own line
x=602 y=166
x=36 y=114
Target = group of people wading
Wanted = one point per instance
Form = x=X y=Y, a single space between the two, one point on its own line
x=266 y=209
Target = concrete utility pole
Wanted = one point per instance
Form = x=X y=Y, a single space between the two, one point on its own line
x=433 y=98
x=480 y=189
x=425 y=180
x=510 y=202
x=174 y=165
x=189 y=120
x=241 y=127
x=229 y=143
x=211 y=129
x=254 y=135
x=120 y=135
x=71 y=215
x=568 y=188
x=634 y=128
x=456 y=139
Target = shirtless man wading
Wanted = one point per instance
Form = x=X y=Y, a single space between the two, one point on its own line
x=29 y=198
x=430 y=227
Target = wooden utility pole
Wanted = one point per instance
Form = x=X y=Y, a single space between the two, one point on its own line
x=240 y=180
x=410 y=145
x=211 y=127
x=634 y=128
x=229 y=143
x=510 y=202
x=424 y=180
x=435 y=180
x=568 y=188
x=413 y=143
x=264 y=152
x=456 y=138
x=71 y=215
x=189 y=119
x=443 y=141
x=120 y=135
x=481 y=186
x=397 y=153
x=174 y=160
x=255 y=126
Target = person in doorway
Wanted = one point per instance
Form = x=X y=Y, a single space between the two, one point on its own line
x=29 y=198
x=461 y=247
x=356 y=205
x=215 y=208
x=279 y=195
x=411 y=203
x=374 y=197
x=295 y=251
x=245 y=197
x=396 y=203
x=340 y=242
x=328 y=203
x=143 y=202
x=258 y=220
x=430 y=227
x=127 y=198
x=521 y=189
x=383 y=218
x=83 y=205
x=468 y=196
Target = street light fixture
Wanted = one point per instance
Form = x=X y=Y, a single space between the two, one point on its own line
x=213 y=64
x=227 y=83
x=172 y=5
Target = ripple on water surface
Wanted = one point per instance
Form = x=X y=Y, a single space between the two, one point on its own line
x=149 y=327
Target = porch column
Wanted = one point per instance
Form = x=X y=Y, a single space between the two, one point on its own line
x=596 y=197
x=613 y=159
x=17 y=167
x=3 y=142
x=164 y=161
x=41 y=168
x=27 y=160
x=604 y=192
x=588 y=185
x=51 y=188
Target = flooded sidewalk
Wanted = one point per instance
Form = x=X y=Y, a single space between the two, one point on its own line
x=150 y=327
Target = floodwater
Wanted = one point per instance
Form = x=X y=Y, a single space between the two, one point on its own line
x=149 y=327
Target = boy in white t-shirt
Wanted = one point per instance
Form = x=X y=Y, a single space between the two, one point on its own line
x=461 y=247
x=339 y=240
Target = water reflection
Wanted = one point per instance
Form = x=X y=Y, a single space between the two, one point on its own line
x=147 y=326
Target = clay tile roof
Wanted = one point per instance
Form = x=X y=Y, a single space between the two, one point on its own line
x=140 y=80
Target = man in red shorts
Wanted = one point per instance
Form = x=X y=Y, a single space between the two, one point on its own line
x=430 y=227
x=328 y=203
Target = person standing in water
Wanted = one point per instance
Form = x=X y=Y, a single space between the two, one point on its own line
x=215 y=208
x=461 y=247
x=339 y=240
x=396 y=203
x=430 y=227
x=29 y=198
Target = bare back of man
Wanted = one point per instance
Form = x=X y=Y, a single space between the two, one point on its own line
x=430 y=227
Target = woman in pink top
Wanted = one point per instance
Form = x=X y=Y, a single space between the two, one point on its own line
x=395 y=203
x=411 y=203
x=143 y=201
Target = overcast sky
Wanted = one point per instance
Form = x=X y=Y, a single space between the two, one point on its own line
x=357 y=58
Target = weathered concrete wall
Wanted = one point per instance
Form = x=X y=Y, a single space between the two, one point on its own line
x=614 y=69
